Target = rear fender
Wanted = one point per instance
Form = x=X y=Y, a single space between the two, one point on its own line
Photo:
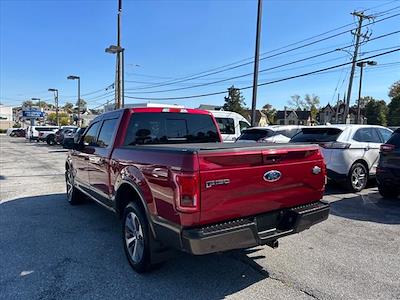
x=133 y=176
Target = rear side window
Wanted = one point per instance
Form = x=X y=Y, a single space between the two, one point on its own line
x=367 y=135
x=395 y=139
x=255 y=134
x=106 y=133
x=385 y=134
x=243 y=125
x=226 y=125
x=170 y=128
x=90 y=138
x=316 y=135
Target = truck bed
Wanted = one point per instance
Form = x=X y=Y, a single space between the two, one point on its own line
x=206 y=147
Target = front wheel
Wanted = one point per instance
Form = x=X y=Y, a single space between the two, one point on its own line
x=357 y=178
x=136 y=238
x=73 y=195
x=51 y=140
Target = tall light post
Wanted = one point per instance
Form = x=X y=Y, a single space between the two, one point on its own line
x=55 y=91
x=362 y=64
x=120 y=99
x=73 y=77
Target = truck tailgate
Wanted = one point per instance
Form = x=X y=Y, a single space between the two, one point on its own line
x=243 y=182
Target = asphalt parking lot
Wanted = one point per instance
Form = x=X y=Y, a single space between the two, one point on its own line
x=51 y=250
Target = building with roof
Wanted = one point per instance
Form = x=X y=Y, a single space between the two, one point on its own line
x=294 y=117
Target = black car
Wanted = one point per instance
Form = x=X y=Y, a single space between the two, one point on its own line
x=388 y=171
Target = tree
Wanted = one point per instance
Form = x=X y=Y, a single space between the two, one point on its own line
x=311 y=100
x=234 y=101
x=376 y=112
x=83 y=103
x=296 y=102
x=64 y=118
x=270 y=112
x=394 y=89
x=27 y=103
x=394 y=111
x=68 y=107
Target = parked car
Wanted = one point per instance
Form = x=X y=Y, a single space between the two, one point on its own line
x=46 y=135
x=71 y=138
x=57 y=136
x=388 y=171
x=269 y=134
x=230 y=124
x=351 y=152
x=32 y=132
x=18 y=132
x=166 y=174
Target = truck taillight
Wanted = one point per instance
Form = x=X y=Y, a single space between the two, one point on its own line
x=188 y=193
x=387 y=148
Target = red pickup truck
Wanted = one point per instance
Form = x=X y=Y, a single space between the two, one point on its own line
x=166 y=174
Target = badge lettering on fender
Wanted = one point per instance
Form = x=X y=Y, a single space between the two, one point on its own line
x=211 y=183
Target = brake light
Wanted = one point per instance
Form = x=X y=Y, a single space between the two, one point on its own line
x=335 y=145
x=387 y=148
x=187 y=193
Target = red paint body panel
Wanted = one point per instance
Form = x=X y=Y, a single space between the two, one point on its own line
x=153 y=171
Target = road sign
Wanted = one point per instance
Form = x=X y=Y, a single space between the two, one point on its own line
x=32 y=114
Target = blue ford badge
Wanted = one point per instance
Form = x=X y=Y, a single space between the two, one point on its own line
x=272 y=176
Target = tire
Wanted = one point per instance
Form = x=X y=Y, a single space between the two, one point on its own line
x=51 y=140
x=388 y=191
x=136 y=238
x=74 y=196
x=358 y=177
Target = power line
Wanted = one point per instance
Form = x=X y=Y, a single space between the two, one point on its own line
x=266 y=83
x=261 y=71
x=218 y=70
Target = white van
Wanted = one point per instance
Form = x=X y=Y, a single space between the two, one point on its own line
x=230 y=124
x=32 y=132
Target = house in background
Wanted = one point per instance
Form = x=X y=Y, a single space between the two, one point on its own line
x=335 y=114
x=261 y=118
x=294 y=117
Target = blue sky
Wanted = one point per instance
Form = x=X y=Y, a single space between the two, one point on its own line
x=42 y=42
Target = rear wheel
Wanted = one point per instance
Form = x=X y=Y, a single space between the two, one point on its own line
x=357 y=178
x=136 y=238
x=388 y=191
x=51 y=140
x=74 y=196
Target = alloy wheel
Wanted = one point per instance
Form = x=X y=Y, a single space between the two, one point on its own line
x=134 y=239
x=359 y=177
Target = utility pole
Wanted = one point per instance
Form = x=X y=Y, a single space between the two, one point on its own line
x=337 y=109
x=256 y=63
x=118 y=57
x=358 y=34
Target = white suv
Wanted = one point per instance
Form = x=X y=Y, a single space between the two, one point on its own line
x=269 y=134
x=351 y=152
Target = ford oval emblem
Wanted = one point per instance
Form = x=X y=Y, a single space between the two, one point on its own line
x=272 y=176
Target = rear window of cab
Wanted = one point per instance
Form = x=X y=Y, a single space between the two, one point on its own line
x=170 y=128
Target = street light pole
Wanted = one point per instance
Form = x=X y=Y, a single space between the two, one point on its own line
x=256 y=63
x=120 y=101
x=55 y=91
x=362 y=64
x=73 y=77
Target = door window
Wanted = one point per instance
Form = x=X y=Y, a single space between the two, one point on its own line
x=367 y=135
x=226 y=125
x=90 y=138
x=106 y=133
